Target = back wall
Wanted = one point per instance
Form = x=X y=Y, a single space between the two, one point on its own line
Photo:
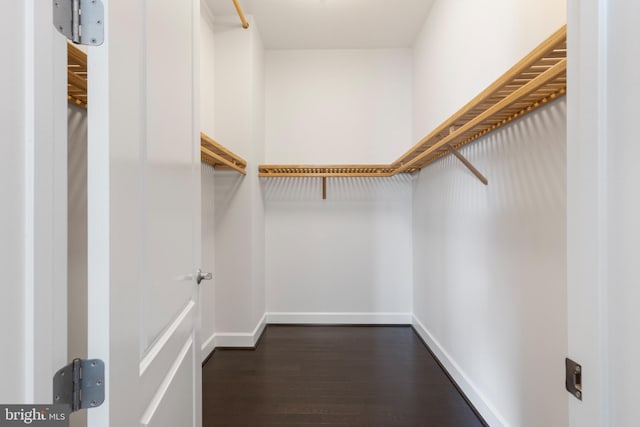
x=346 y=259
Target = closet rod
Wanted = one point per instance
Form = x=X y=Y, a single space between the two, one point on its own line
x=245 y=24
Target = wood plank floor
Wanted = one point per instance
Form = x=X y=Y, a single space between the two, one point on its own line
x=332 y=376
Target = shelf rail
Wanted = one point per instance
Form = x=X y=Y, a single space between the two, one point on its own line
x=76 y=76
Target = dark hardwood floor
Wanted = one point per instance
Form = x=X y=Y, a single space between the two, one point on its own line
x=332 y=376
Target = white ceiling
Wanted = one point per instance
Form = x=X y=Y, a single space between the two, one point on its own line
x=332 y=24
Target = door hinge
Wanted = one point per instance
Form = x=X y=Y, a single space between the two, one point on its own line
x=573 y=378
x=80 y=384
x=81 y=21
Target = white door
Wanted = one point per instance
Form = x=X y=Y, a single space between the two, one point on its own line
x=144 y=214
x=603 y=210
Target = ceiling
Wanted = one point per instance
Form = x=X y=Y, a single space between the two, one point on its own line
x=332 y=24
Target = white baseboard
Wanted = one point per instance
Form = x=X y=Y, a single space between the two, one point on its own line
x=259 y=329
x=234 y=339
x=340 y=318
x=207 y=347
x=486 y=409
x=241 y=339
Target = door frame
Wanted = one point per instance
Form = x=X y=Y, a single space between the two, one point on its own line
x=41 y=175
x=39 y=169
x=587 y=222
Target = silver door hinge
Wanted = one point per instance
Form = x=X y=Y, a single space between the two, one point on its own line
x=81 y=21
x=80 y=384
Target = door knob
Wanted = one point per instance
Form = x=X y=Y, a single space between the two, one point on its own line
x=203 y=276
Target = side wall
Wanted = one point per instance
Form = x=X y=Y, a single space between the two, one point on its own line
x=346 y=259
x=490 y=262
x=239 y=211
x=77 y=231
x=78 y=280
x=207 y=180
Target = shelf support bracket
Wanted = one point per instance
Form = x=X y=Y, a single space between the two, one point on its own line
x=324 y=188
x=468 y=164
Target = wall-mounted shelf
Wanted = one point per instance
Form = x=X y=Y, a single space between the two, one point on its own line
x=76 y=76
x=211 y=152
x=538 y=78
x=532 y=82
x=218 y=156
x=325 y=171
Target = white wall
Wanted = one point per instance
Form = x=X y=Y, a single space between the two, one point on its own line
x=207 y=288
x=257 y=156
x=346 y=259
x=489 y=285
x=338 y=106
x=207 y=70
x=490 y=262
x=207 y=180
x=77 y=231
x=239 y=216
x=78 y=279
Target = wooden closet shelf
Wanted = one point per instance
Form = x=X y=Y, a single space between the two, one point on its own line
x=76 y=76
x=537 y=79
x=211 y=152
x=218 y=156
x=279 y=171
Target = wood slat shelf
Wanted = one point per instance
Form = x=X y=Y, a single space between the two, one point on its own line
x=211 y=152
x=218 y=156
x=280 y=171
x=537 y=79
x=76 y=76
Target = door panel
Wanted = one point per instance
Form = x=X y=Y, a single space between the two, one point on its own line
x=170 y=188
x=171 y=406
x=144 y=214
x=162 y=355
x=169 y=374
x=170 y=242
